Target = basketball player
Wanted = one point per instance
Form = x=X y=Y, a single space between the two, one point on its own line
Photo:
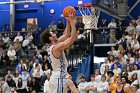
x=55 y=50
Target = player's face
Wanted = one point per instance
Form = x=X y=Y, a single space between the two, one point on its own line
x=54 y=37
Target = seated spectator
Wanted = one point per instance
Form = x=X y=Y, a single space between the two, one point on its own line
x=17 y=47
x=92 y=85
x=18 y=37
x=102 y=68
x=29 y=37
x=29 y=84
x=110 y=76
x=22 y=69
x=136 y=70
x=39 y=56
x=52 y=26
x=82 y=85
x=116 y=62
x=20 y=87
x=127 y=64
x=35 y=85
x=9 y=74
x=4 y=85
x=116 y=70
x=103 y=86
x=4 y=60
x=36 y=63
x=16 y=76
x=6 y=39
x=130 y=29
x=24 y=78
x=114 y=52
x=11 y=83
x=107 y=68
x=11 y=54
x=134 y=79
x=97 y=76
x=111 y=59
x=60 y=24
x=38 y=73
x=46 y=62
x=135 y=45
x=18 y=67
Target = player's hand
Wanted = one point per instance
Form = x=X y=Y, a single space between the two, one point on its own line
x=71 y=16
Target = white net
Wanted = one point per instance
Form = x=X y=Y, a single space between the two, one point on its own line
x=90 y=17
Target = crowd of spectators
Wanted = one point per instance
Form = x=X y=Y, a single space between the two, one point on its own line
x=119 y=73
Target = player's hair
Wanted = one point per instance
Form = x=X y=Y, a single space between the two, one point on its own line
x=44 y=37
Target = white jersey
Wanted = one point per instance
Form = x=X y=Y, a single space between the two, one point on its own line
x=102 y=86
x=82 y=87
x=57 y=63
x=92 y=85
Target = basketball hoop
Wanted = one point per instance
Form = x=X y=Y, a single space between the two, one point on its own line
x=90 y=15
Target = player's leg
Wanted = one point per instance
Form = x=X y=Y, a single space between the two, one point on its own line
x=72 y=86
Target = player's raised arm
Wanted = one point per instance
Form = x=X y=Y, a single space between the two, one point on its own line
x=73 y=36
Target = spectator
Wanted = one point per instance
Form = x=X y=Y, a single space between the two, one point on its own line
x=103 y=23
x=5 y=39
x=4 y=85
x=127 y=63
x=52 y=26
x=48 y=74
x=82 y=85
x=111 y=59
x=112 y=24
x=9 y=74
x=80 y=25
x=92 y=85
x=114 y=52
x=35 y=85
x=11 y=83
x=120 y=87
x=116 y=71
x=29 y=84
x=102 y=68
x=60 y=24
x=113 y=85
x=107 y=68
x=103 y=86
x=97 y=76
x=20 y=37
x=136 y=70
x=134 y=79
x=11 y=54
x=110 y=76
x=20 y=87
x=130 y=29
x=4 y=60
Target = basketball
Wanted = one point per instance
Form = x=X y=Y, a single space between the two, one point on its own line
x=67 y=10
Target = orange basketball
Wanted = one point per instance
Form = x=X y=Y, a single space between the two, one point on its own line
x=67 y=10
